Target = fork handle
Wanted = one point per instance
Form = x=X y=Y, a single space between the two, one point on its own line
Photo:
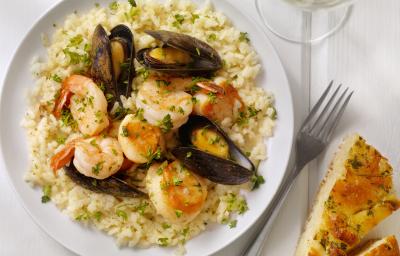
x=255 y=248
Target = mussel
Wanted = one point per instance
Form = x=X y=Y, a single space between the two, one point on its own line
x=209 y=152
x=115 y=185
x=113 y=61
x=180 y=54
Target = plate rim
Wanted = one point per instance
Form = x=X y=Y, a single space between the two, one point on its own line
x=259 y=27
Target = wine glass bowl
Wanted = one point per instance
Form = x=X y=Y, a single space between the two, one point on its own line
x=304 y=21
x=313 y=5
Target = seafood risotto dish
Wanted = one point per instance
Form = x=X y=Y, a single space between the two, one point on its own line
x=146 y=122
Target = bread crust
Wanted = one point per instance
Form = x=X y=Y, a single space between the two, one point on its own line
x=348 y=202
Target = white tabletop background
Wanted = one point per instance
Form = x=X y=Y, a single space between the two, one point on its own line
x=364 y=55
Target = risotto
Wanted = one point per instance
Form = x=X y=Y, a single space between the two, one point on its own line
x=135 y=221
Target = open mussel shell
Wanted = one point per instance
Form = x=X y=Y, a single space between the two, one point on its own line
x=113 y=61
x=102 y=69
x=214 y=168
x=204 y=59
x=113 y=185
x=122 y=35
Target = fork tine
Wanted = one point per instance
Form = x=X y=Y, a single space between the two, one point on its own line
x=325 y=108
x=336 y=120
x=316 y=106
x=331 y=113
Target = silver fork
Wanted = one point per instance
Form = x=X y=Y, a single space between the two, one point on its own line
x=312 y=138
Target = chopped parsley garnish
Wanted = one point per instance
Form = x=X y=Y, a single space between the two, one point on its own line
x=113 y=6
x=163 y=241
x=122 y=214
x=97 y=168
x=161 y=168
x=273 y=114
x=121 y=112
x=144 y=73
x=61 y=139
x=165 y=225
x=257 y=181
x=153 y=155
x=125 y=132
x=75 y=41
x=178 y=20
x=195 y=100
x=166 y=124
x=109 y=97
x=242 y=206
x=253 y=111
x=97 y=215
x=178 y=213
x=97 y=5
x=139 y=114
x=188 y=154
x=76 y=58
x=56 y=78
x=212 y=37
x=212 y=97
x=244 y=37
x=132 y=3
x=83 y=216
x=141 y=207
x=162 y=83
x=177 y=181
x=232 y=223
x=172 y=108
x=46 y=194
x=194 y=18
x=181 y=111
x=66 y=118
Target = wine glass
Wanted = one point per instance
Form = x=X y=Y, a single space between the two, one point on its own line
x=289 y=19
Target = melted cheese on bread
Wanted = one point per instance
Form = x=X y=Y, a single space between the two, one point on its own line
x=355 y=196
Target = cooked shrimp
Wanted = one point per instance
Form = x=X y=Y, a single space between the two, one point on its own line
x=217 y=102
x=177 y=194
x=164 y=100
x=87 y=103
x=139 y=140
x=97 y=157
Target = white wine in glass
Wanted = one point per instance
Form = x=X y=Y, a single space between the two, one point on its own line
x=288 y=18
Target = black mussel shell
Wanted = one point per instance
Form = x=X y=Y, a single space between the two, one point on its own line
x=214 y=168
x=196 y=122
x=101 y=69
x=205 y=59
x=124 y=82
x=112 y=186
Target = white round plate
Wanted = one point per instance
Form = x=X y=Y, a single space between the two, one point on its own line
x=86 y=241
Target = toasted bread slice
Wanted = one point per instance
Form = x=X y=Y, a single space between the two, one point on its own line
x=355 y=195
x=387 y=246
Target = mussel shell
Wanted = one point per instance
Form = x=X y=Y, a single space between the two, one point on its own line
x=214 y=168
x=205 y=59
x=102 y=65
x=123 y=33
x=196 y=122
x=112 y=186
x=101 y=69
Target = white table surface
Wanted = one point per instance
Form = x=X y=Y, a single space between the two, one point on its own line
x=363 y=55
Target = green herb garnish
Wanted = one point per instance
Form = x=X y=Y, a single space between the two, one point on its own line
x=244 y=37
x=166 y=123
x=46 y=193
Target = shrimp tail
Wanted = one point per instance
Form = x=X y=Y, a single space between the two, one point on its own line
x=62 y=101
x=62 y=158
